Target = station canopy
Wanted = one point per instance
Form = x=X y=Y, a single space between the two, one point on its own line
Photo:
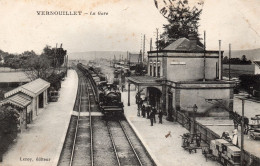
x=19 y=100
x=145 y=80
x=31 y=89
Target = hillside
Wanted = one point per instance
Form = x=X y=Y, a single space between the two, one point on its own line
x=91 y=55
x=253 y=54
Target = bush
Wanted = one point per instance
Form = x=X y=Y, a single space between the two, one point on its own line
x=9 y=121
x=55 y=80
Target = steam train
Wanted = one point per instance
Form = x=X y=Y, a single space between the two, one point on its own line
x=108 y=96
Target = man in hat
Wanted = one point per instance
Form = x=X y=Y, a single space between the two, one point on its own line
x=154 y=111
x=160 y=115
x=148 y=110
x=152 y=115
x=143 y=111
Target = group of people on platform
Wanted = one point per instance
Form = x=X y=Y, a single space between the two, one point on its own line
x=148 y=111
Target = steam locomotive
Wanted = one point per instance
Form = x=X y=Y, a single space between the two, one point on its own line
x=108 y=96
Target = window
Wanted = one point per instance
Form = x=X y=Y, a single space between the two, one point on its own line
x=154 y=71
x=158 y=71
x=151 y=70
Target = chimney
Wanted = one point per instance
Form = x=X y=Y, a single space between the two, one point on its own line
x=193 y=42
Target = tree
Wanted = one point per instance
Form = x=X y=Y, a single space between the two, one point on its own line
x=249 y=80
x=225 y=60
x=140 y=69
x=37 y=67
x=55 y=55
x=243 y=58
x=182 y=21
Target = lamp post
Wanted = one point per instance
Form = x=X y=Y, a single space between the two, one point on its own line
x=251 y=91
x=195 y=109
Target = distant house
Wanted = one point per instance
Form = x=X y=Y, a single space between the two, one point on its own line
x=134 y=58
x=13 y=79
x=257 y=67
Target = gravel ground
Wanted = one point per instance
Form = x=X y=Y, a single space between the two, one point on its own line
x=103 y=149
x=65 y=155
x=45 y=135
x=82 y=155
x=140 y=150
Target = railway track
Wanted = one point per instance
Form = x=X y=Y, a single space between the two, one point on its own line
x=78 y=145
x=126 y=145
x=91 y=140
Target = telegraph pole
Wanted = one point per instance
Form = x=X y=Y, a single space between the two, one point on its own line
x=204 y=62
x=219 y=62
x=229 y=62
x=143 y=49
x=157 y=51
x=151 y=44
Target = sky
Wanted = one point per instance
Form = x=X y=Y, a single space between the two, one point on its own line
x=231 y=21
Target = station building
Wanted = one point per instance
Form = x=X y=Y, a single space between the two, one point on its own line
x=28 y=99
x=183 y=75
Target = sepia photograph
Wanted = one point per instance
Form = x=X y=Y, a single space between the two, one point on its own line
x=129 y=83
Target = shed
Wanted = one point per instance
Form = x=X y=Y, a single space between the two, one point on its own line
x=28 y=98
x=21 y=102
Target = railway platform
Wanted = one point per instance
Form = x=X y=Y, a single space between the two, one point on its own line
x=42 y=142
x=163 y=141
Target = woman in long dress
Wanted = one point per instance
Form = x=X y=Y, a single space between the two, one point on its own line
x=235 y=138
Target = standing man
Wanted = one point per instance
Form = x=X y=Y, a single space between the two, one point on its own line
x=148 y=110
x=152 y=115
x=137 y=98
x=154 y=111
x=143 y=111
x=160 y=115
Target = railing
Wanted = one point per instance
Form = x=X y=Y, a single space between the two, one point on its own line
x=207 y=135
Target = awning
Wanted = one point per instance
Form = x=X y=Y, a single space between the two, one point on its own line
x=32 y=89
x=145 y=80
x=20 y=100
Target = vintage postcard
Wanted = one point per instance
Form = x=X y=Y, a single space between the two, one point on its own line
x=119 y=82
